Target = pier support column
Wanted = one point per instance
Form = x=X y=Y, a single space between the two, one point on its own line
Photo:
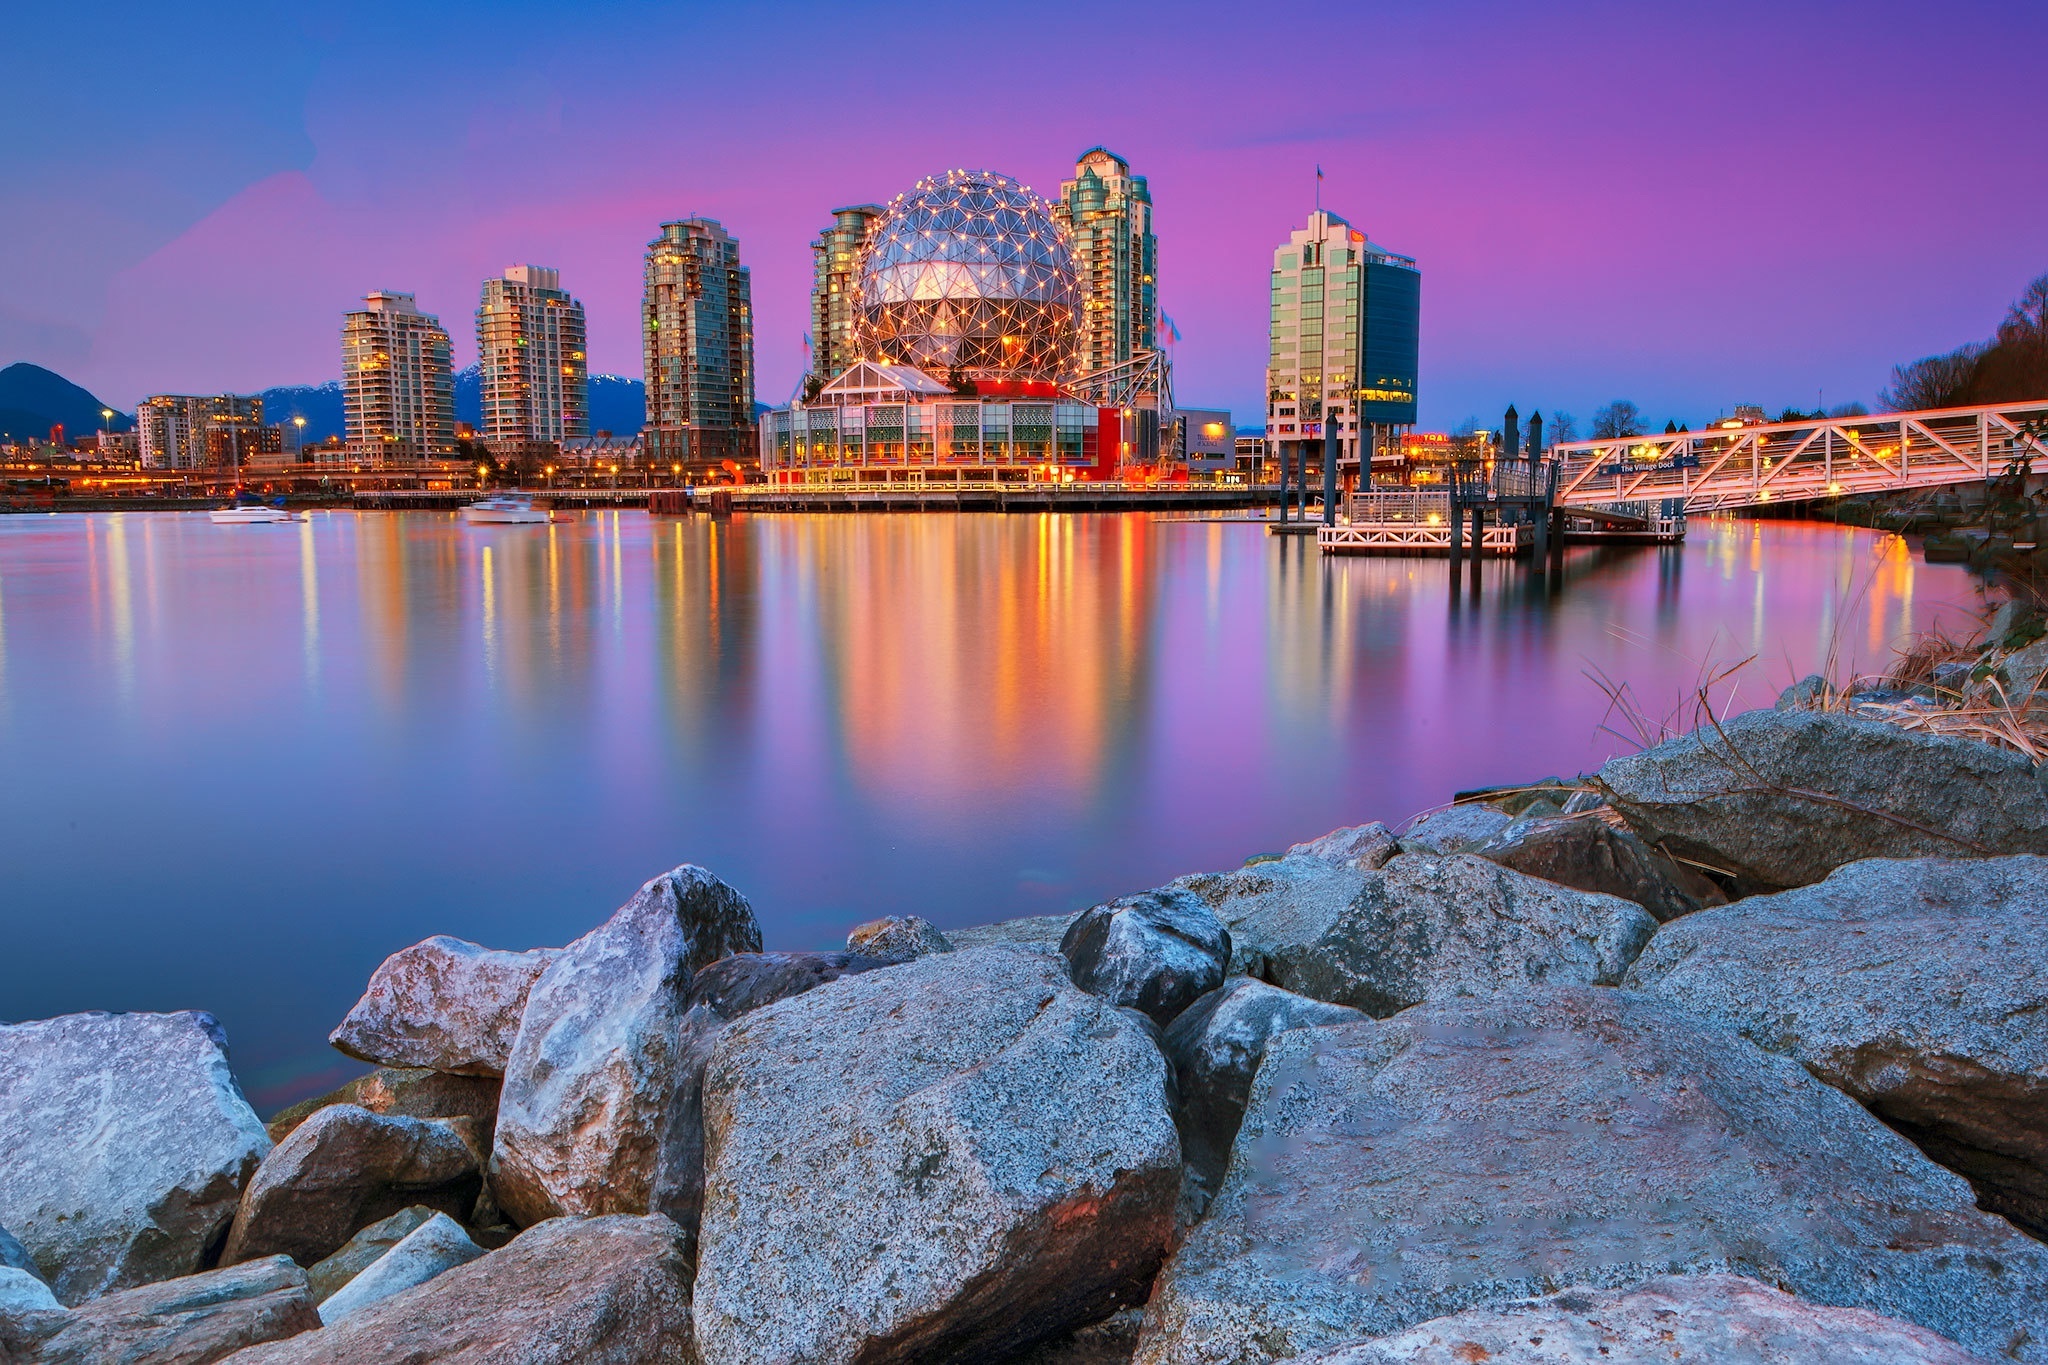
x=1333 y=441
x=1541 y=518
x=1283 y=483
x=1457 y=532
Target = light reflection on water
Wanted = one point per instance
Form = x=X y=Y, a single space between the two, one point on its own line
x=238 y=765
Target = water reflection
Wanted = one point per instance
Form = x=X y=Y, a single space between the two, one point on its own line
x=310 y=745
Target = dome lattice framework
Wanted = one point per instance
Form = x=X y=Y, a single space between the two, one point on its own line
x=969 y=274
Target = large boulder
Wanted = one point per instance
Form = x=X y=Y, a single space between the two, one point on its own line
x=1675 y=1320
x=591 y=1077
x=193 y=1320
x=1271 y=905
x=1778 y=799
x=413 y=1093
x=1427 y=928
x=898 y=938
x=345 y=1168
x=126 y=1143
x=720 y=993
x=433 y=1248
x=444 y=1003
x=1918 y=986
x=325 y=1277
x=1467 y=1152
x=947 y=1161
x=1592 y=855
x=572 y=1291
x=1215 y=1047
x=1153 y=952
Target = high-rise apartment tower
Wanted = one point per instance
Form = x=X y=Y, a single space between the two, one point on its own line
x=1345 y=319
x=531 y=356
x=698 y=340
x=175 y=431
x=397 y=386
x=1107 y=213
x=835 y=288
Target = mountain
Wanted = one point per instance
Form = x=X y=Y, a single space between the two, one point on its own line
x=319 y=404
x=33 y=399
x=617 y=404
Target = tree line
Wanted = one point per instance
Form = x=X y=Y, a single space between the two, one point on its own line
x=2011 y=367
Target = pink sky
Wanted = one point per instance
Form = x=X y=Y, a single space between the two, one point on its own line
x=1744 y=203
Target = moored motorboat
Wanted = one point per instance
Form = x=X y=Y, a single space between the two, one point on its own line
x=505 y=509
x=250 y=514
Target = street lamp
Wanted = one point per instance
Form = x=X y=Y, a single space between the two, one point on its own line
x=299 y=440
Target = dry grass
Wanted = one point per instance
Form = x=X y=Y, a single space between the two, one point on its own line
x=1990 y=706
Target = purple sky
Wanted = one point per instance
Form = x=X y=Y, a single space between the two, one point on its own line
x=1691 y=206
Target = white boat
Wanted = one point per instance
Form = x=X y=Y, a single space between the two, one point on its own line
x=249 y=514
x=505 y=509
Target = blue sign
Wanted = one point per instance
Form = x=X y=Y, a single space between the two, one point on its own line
x=1622 y=468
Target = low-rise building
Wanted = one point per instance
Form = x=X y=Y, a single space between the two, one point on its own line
x=1208 y=441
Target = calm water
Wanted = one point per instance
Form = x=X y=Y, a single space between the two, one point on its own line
x=239 y=765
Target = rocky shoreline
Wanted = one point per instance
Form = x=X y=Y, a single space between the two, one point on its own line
x=1736 y=1050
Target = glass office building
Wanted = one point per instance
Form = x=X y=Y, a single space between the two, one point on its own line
x=1343 y=348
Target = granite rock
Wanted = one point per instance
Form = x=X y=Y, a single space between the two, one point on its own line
x=1675 y=1320
x=1778 y=799
x=1274 y=905
x=590 y=1084
x=343 y=1169
x=1463 y=1153
x=433 y=1248
x=720 y=993
x=13 y=1255
x=22 y=1292
x=1215 y=1047
x=1918 y=986
x=412 y=1093
x=1153 y=952
x=897 y=938
x=192 y=1320
x=1032 y=931
x=326 y=1276
x=1363 y=847
x=446 y=1004
x=1591 y=855
x=127 y=1144
x=1458 y=829
x=951 y=1160
x=1428 y=928
x=572 y=1291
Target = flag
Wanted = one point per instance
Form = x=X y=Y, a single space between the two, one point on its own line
x=1166 y=331
x=1319 y=171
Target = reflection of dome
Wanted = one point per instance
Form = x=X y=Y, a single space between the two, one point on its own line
x=969 y=272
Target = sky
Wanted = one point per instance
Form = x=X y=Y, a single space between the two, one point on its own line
x=1686 y=205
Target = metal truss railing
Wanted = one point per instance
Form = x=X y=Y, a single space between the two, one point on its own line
x=1147 y=376
x=1727 y=467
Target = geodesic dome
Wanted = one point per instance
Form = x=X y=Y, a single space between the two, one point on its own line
x=969 y=272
